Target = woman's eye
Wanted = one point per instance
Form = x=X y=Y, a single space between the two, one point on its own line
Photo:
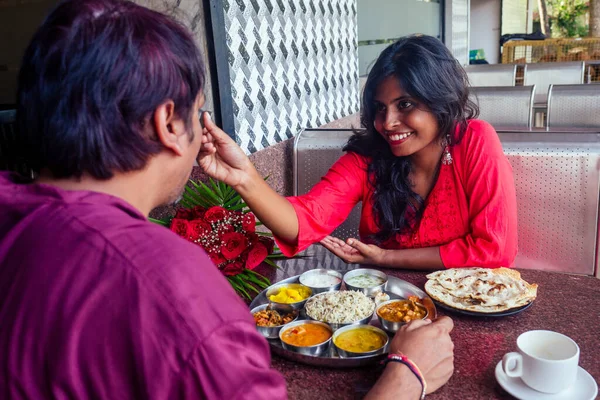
x=403 y=105
x=379 y=108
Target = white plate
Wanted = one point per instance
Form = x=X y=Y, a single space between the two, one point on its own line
x=584 y=388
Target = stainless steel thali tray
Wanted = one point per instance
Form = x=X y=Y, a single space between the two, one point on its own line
x=396 y=288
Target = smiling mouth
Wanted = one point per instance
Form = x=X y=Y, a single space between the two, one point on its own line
x=395 y=138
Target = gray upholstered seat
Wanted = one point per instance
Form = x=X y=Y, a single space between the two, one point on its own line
x=492 y=74
x=574 y=106
x=509 y=107
x=557 y=185
x=542 y=75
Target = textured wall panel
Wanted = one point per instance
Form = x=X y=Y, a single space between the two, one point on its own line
x=457 y=29
x=292 y=64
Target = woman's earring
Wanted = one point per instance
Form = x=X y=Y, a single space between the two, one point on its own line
x=446 y=156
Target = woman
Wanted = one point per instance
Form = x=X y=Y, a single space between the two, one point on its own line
x=436 y=188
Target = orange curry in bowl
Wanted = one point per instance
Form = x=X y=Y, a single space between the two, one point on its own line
x=306 y=335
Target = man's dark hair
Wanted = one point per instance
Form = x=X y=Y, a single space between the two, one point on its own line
x=90 y=80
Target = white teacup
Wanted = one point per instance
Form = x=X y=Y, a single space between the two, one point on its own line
x=547 y=361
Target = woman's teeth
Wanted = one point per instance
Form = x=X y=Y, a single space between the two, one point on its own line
x=401 y=136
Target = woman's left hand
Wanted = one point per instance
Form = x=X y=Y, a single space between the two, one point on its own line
x=353 y=251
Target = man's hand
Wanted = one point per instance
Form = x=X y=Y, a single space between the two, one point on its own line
x=428 y=344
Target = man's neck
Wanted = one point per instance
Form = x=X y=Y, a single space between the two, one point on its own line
x=131 y=188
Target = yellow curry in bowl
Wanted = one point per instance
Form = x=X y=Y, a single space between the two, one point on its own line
x=360 y=340
x=288 y=294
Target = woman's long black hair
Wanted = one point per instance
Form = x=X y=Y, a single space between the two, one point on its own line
x=428 y=72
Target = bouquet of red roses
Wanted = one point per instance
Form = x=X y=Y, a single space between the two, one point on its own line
x=228 y=237
x=218 y=220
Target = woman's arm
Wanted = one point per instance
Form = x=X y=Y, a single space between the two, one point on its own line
x=221 y=158
x=356 y=252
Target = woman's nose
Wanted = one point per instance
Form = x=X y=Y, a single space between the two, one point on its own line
x=392 y=120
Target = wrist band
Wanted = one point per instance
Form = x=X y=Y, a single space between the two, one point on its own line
x=401 y=358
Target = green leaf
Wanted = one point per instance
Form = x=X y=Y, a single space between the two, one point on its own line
x=268 y=234
x=163 y=222
x=204 y=193
x=271 y=263
x=259 y=276
x=208 y=192
x=232 y=202
x=192 y=196
x=217 y=189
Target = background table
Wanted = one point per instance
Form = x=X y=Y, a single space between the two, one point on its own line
x=569 y=304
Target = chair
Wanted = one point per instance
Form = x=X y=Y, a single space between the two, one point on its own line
x=8 y=142
x=557 y=184
x=542 y=75
x=492 y=74
x=574 y=106
x=592 y=71
x=507 y=107
x=315 y=151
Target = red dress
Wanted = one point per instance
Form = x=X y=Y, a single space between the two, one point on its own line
x=471 y=212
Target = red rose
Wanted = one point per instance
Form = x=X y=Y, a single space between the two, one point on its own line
x=198 y=212
x=225 y=228
x=234 y=244
x=181 y=227
x=257 y=254
x=233 y=268
x=268 y=242
x=249 y=222
x=199 y=229
x=184 y=213
x=252 y=238
x=217 y=258
x=215 y=214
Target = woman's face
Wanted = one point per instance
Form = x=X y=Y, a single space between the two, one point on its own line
x=404 y=123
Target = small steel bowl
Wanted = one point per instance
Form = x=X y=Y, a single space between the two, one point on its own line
x=335 y=325
x=321 y=272
x=275 y=289
x=272 y=332
x=314 y=350
x=392 y=326
x=369 y=291
x=347 y=354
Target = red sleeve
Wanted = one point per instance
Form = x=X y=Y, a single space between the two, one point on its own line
x=328 y=203
x=232 y=363
x=490 y=190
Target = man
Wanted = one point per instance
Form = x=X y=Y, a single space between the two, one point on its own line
x=95 y=301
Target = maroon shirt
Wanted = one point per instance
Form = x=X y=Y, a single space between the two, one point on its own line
x=96 y=302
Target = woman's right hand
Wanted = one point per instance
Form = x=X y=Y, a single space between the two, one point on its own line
x=220 y=157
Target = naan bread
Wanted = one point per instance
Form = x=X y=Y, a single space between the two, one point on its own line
x=480 y=289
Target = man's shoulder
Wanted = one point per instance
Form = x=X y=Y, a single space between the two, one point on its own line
x=176 y=273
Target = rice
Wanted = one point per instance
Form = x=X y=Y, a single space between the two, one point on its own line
x=342 y=307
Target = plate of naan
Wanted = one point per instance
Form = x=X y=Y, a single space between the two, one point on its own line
x=481 y=291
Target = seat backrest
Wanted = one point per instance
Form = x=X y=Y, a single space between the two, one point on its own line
x=557 y=184
x=542 y=75
x=492 y=74
x=315 y=151
x=574 y=106
x=508 y=106
x=8 y=143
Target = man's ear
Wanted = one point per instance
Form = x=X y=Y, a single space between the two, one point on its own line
x=168 y=127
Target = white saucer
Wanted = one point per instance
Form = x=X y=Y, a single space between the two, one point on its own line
x=584 y=388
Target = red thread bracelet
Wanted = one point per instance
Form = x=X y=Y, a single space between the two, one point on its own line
x=401 y=358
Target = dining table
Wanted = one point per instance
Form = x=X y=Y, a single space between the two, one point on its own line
x=565 y=303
